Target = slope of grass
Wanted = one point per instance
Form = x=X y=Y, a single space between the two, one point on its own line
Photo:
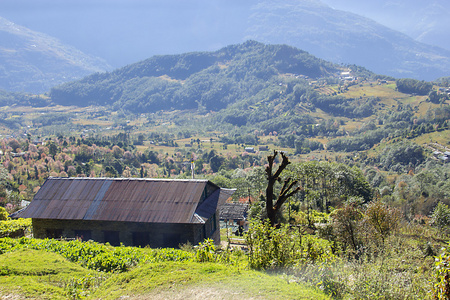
x=38 y=274
x=189 y=280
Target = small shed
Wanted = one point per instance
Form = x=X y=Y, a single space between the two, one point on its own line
x=249 y=149
x=234 y=214
x=132 y=211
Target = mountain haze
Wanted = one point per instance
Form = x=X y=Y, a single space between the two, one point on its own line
x=344 y=37
x=425 y=21
x=123 y=32
x=34 y=62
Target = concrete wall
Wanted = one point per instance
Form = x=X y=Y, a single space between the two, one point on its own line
x=129 y=233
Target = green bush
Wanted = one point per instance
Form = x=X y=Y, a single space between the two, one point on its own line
x=205 y=251
x=14 y=228
x=441 y=287
x=440 y=216
x=271 y=247
x=3 y=214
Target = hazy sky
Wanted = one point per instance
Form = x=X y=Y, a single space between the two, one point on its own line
x=427 y=21
x=126 y=31
x=134 y=28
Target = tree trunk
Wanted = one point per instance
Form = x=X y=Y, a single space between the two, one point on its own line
x=287 y=190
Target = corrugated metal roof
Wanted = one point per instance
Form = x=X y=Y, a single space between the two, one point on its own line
x=233 y=211
x=126 y=199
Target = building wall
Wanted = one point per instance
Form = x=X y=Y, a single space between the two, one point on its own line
x=129 y=233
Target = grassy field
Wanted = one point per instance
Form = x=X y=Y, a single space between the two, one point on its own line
x=33 y=274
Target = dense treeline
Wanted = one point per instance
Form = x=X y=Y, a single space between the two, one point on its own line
x=413 y=86
x=12 y=98
x=340 y=106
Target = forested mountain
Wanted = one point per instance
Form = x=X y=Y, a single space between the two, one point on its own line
x=246 y=73
x=34 y=62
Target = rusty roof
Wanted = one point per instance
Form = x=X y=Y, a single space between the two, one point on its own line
x=233 y=211
x=126 y=200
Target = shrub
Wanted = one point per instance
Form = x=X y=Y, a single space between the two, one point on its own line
x=3 y=214
x=272 y=248
x=14 y=228
x=347 y=229
x=441 y=287
x=382 y=220
x=205 y=251
x=440 y=216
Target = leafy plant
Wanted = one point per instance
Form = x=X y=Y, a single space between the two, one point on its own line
x=440 y=216
x=441 y=287
x=10 y=228
x=273 y=248
x=3 y=214
x=205 y=251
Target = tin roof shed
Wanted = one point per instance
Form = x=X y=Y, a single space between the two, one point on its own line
x=126 y=200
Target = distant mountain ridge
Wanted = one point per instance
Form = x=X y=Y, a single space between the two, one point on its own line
x=344 y=37
x=425 y=21
x=34 y=62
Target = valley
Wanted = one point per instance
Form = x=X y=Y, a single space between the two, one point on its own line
x=366 y=151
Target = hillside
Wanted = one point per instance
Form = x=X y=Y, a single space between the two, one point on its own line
x=34 y=62
x=209 y=80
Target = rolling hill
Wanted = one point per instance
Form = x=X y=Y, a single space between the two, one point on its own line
x=214 y=80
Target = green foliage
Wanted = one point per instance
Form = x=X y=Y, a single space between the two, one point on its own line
x=441 y=286
x=205 y=251
x=382 y=220
x=408 y=85
x=80 y=288
x=13 y=228
x=436 y=97
x=3 y=214
x=167 y=254
x=420 y=193
x=96 y=256
x=401 y=156
x=359 y=142
x=273 y=248
x=346 y=228
x=250 y=70
x=326 y=184
x=340 y=106
x=440 y=216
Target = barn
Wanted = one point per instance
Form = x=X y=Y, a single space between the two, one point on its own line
x=132 y=211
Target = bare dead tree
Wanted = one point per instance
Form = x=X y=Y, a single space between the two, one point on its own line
x=286 y=191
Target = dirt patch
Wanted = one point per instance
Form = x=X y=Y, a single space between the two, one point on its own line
x=11 y=297
x=196 y=292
